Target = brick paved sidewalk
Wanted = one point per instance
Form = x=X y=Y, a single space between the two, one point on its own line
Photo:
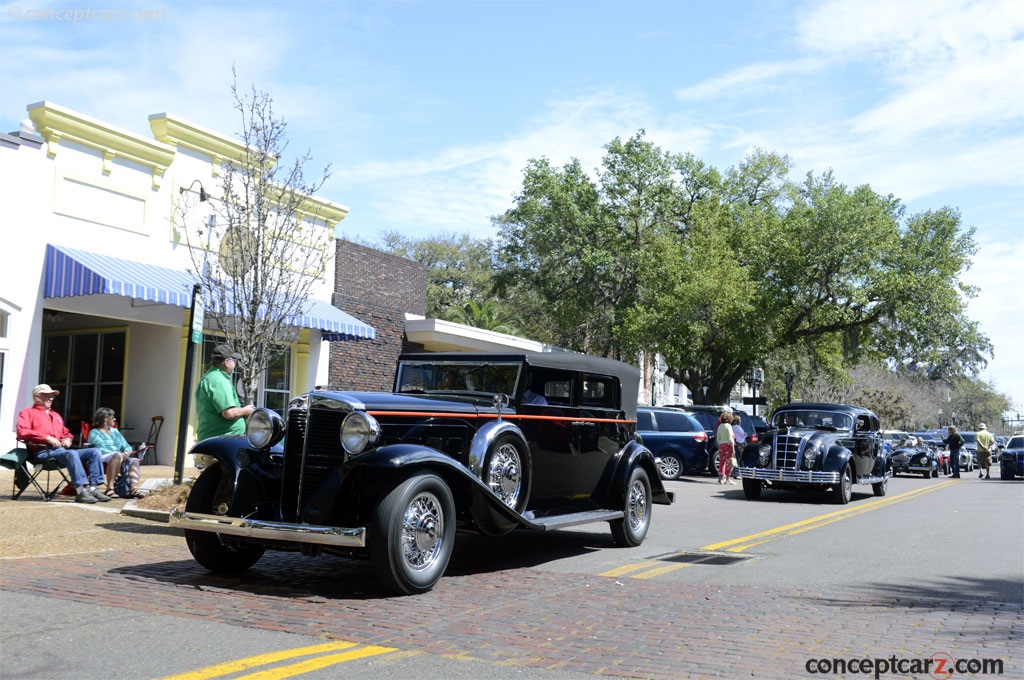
x=534 y=618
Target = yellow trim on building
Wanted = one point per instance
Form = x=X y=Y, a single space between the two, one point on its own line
x=56 y=123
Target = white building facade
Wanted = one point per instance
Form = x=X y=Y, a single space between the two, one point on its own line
x=95 y=289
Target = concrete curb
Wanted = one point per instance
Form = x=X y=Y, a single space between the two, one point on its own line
x=130 y=510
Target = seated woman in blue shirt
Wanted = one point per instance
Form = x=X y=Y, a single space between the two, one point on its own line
x=115 y=450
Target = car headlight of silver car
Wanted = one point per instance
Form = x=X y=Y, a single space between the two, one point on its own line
x=264 y=428
x=359 y=431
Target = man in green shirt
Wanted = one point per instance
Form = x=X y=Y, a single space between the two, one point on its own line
x=217 y=407
x=985 y=440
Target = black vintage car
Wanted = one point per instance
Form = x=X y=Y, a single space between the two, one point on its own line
x=818 y=446
x=921 y=459
x=484 y=442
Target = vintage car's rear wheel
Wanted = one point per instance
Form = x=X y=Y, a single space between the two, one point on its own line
x=631 y=530
x=506 y=472
x=211 y=494
x=670 y=466
x=752 y=488
x=842 y=491
x=413 y=534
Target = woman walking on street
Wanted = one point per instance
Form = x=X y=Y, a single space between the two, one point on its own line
x=726 y=441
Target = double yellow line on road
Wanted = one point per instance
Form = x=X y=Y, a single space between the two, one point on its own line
x=288 y=671
x=643 y=570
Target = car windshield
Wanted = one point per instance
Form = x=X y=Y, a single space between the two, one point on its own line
x=1016 y=443
x=822 y=420
x=476 y=377
x=969 y=437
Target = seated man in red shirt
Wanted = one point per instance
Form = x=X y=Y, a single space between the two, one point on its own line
x=46 y=437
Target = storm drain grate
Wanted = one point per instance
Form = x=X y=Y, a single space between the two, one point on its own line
x=710 y=559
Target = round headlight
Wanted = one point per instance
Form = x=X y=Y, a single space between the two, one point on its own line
x=358 y=431
x=764 y=454
x=811 y=455
x=264 y=428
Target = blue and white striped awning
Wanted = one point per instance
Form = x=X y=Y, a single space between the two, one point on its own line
x=70 y=272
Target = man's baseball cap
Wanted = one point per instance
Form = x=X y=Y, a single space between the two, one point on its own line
x=224 y=352
x=43 y=389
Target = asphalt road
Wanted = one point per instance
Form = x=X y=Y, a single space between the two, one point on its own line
x=722 y=587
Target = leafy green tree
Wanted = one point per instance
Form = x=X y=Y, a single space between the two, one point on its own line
x=719 y=272
x=460 y=268
x=487 y=314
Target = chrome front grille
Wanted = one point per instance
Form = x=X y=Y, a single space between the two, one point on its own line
x=787 y=447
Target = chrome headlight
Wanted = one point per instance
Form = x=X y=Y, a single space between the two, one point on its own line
x=359 y=430
x=264 y=428
x=810 y=455
x=764 y=454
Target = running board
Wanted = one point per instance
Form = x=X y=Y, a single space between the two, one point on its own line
x=575 y=518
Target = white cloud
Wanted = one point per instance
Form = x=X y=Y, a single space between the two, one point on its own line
x=755 y=78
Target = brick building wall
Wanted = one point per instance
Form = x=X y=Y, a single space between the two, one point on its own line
x=377 y=288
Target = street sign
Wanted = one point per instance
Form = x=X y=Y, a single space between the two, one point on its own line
x=755 y=401
x=197 y=319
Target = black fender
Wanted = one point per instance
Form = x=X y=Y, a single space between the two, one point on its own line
x=635 y=454
x=255 y=474
x=836 y=458
x=883 y=464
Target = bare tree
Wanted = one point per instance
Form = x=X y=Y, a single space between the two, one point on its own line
x=266 y=246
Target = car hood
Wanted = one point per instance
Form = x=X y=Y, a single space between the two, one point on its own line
x=410 y=403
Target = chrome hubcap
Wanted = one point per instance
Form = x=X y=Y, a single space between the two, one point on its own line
x=636 y=506
x=505 y=475
x=422 y=531
x=669 y=466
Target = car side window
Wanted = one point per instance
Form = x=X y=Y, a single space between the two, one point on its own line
x=674 y=422
x=644 y=420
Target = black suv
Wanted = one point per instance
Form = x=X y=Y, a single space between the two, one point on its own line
x=676 y=439
x=485 y=442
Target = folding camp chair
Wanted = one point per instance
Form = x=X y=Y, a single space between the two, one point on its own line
x=28 y=473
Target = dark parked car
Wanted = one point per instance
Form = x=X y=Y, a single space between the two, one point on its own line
x=922 y=460
x=676 y=439
x=760 y=424
x=1011 y=458
x=818 y=446
x=708 y=416
x=390 y=476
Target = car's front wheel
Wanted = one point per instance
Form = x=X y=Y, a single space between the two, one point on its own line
x=211 y=494
x=631 y=530
x=842 y=491
x=413 y=534
x=670 y=466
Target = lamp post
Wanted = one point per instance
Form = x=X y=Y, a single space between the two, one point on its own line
x=940 y=418
x=754 y=377
x=789 y=386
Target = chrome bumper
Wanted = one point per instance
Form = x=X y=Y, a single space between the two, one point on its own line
x=273 y=531
x=797 y=476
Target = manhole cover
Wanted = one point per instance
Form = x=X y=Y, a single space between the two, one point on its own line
x=711 y=559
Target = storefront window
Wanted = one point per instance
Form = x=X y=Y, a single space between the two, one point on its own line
x=88 y=370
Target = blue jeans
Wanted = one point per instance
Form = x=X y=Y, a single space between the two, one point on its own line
x=954 y=461
x=77 y=461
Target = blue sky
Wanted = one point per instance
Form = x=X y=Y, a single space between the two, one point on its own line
x=428 y=111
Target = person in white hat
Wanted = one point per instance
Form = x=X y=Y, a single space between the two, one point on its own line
x=985 y=441
x=46 y=437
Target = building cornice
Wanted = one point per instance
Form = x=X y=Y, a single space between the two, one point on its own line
x=56 y=123
x=220 y=148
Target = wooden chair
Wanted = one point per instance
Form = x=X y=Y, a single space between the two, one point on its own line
x=145 y=447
